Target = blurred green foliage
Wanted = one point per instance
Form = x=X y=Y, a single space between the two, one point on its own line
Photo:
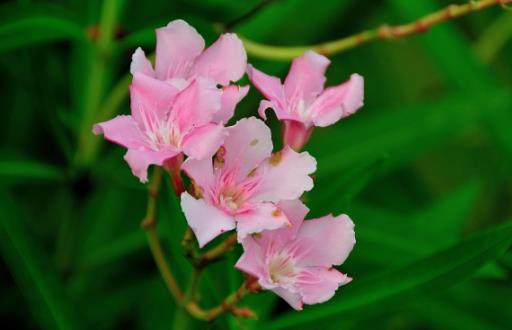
x=424 y=169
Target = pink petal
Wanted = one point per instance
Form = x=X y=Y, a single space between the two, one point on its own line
x=293 y=299
x=264 y=216
x=203 y=142
x=296 y=134
x=122 y=130
x=206 y=220
x=140 y=64
x=280 y=112
x=201 y=171
x=177 y=46
x=249 y=142
x=195 y=105
x=231 y=95
x=318 y=284
x=295 y=211
x=285 y=176
x=251 y=261
x=306 y=78
x=224 y=61
x=139 y=160
x=150 y=99
x=338 y=102
x=270 y=87
x=338 y=239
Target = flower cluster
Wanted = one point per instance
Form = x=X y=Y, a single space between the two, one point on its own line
x=180 y=108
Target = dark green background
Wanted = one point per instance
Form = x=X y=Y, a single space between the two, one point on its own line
x=424 y=169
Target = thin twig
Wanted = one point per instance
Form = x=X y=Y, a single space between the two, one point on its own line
x=384 y=32
x=117 y=95
x=200 y=261
x=216 y=252
x=227 y=305
x=149 y=225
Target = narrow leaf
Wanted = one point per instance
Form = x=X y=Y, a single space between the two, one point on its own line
x=31 y=269
x=434 y=272
x=23 y=26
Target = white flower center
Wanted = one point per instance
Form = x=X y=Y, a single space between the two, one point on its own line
x=281 y=268
x=301 y=109
x=163 y=135
x=231 y=198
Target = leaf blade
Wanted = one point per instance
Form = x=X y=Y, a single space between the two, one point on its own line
x=440 y=268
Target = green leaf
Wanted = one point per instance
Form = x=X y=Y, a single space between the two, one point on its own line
x=494 y=38
x=29 y=170
x=401 y=133
x=448 y=48
x=421 y=277
x=446 y=315
x=395 y=239
x=23 y=26
x=338 y=191
x=32 y=271
x=114 y=250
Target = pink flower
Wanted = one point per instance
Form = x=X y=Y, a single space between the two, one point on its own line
x=180 y=57
x=165 y=122
x=296 y=262
x=302 y=102
x=242 y=187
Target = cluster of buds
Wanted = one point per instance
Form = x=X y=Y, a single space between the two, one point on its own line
x=179 y=111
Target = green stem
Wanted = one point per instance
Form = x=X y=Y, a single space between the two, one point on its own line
x=182 y=317
x=194 y=284
x=384 y=32
x=89 y=144
x=227 y=305
x=163 y=266
x=99 y=61
x=149 y=225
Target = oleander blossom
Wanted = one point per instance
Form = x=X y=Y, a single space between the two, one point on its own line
x=243 y=184
x=166 y=122
x=296 y=262
x=181 y=57
x=302 y=102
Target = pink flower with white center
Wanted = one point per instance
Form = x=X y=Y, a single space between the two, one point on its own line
x=180 y=57
x=297 y=262
x=165 y=122
x=302 y=102
x=242 y=186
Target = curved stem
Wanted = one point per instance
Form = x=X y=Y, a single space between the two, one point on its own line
x=149 y=225
x=216 y=252
x=384 y=32
x=163 y=266
x=227 y=305
x=199 y=261
x=117 y=95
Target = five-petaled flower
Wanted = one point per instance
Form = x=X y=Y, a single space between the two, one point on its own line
x=242 y=186
x=165 y=122
x=296 y=262
x=180 y=57
x=302 y=102
x=177 y=107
